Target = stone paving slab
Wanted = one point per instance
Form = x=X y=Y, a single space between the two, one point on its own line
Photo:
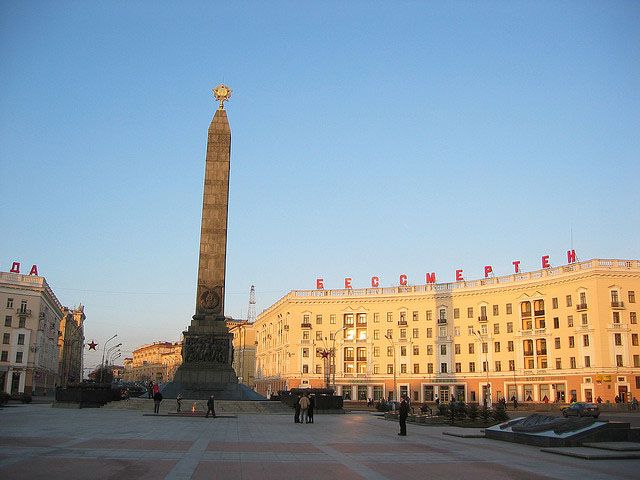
x=617 y=446
x=588 y=453
x=40 y=442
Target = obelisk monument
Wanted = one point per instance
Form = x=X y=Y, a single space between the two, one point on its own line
x=207 y=349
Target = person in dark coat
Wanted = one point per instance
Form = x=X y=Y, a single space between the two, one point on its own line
x=150 y=389
x=211 y=407
x=157 y=398
x=296 y=406
x=312 y=404
x=403 y=414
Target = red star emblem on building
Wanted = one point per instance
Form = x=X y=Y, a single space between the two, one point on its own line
x=92 y=345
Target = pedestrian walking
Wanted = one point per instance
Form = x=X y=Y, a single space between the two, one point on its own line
x=179 y=402
x=150 y=389
x=157 y=398
x=312 y=406
x=211 y=407
x=402 y=416
x=296 y=406
x=304 y=407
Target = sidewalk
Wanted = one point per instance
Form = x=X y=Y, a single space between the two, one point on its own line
x=39 y=442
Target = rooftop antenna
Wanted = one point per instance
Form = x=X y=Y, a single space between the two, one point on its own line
x=251 y=313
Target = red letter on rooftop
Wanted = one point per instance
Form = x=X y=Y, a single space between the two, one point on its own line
x=375 y=282
x=545 y=261
x=347 y=282
x=320 y=283
x=516 y=264
x=15 y=268
x=459 y=276
x=431 y=277
x=571 y=256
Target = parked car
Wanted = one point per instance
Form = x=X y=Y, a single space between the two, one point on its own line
x=582 y=409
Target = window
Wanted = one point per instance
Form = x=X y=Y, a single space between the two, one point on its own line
x=587 y=361
x=484 y=366
x=442 y=331
x=558 y=364
x=509 y=327
x=442 y=315
x=634 y=339
x=470 y=312
x=619 y=361
x=496 y=329
x=376 y=334
x=389 y=317
x=389 y=334
x=305 y=352
x=510 y=345
x=483 y=329
x=443 y=349
x=472 y=367
x=554 y=302
x=585 y=340
x=318 y=335
x=389 y=368
x=485 y=347
x=429 y=332
x=585 y=320
x=21 y=322
x=557 y=343
x=21 y=338
x=403 y=333
x=509 y=308
x=318 y=369
x=415 y=333
x=569 y=302
x=483 y=312
x=318 y=319
x=332 y=319
x=614 y=297
x=18 y=357
x=5 y=356
x=556 y=322
x=429 y=349
x=633 y=318
x=305 y=335
x=429 y=367
x=616 y=317
x=7 y=321
x=498 y=366
x=470 y=331
x=570 y=320
x=456 y=331
x=403 y=351
x=443 y=368
x=415 y=316
x=305 y=368
x=571 y=342
x=403 y=317
x=572 y=362
x=9 y=302
x=429 y=315
x=389 y=351
x=512 y=365
x=376 y=351
x=496 y=310
x=416 y=350
x=617 y=338
x=376 y=368
x=636 y=361
x=632 y=296
x=403 y=368
x=471 y=348
x=459 y=367
x=5 y=338
x=496 y=347
x=456 y=348
x=347 y=319
x=456 y=313
x=416 y=368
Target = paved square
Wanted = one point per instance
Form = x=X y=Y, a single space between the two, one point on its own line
x=40 y=442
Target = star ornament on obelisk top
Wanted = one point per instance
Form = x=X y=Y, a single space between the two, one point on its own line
x=222 y=94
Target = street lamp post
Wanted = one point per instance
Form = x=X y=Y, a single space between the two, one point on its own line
x=103 y=351
x=393 y=346
x=487 y=397
x=333 y=352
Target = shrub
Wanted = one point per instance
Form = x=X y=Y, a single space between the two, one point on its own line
x=443 y=409
x=485 y=413
x=4 y=398
x=473 y=411
x=500 y=412
x=461 y=410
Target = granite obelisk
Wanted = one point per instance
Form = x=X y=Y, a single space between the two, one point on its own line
x=207 y=349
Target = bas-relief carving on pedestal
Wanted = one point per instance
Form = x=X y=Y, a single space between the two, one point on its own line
x=206 y=348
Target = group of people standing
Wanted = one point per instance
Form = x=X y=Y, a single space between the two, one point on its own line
x=303 y=407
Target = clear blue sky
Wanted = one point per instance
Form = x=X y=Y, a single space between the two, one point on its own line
x=369 y=138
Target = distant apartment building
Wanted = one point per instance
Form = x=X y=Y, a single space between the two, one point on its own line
x=155 y=362
x=29 y=350
x=556 y=334
x=244 y=350
x=71 y=345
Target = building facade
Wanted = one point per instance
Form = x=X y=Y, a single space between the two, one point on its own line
x=244 y=350
x=71 y=345
x=556 y=334
x=29 y=350
x=155 y=362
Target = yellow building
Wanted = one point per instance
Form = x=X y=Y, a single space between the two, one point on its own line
x=244 y=350
x=71 y=345
x=157 y=362
x=556 y=334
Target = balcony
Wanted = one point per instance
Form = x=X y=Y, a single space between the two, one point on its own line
x=23 y=312
x=539 y=313
x=581 y=306
x=402 y=323
x=541 y=352
x=617 y=304
x=305 y=325
x=442 y=321
x=526 y=314
x=286 y=327
x=482 y=318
